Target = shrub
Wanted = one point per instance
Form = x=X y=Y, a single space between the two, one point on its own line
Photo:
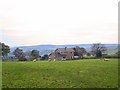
x=89 y=57
x=112 y=56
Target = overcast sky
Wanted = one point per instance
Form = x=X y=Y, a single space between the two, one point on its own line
x=34 y=22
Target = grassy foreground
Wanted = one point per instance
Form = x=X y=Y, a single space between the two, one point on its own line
x=61 y=74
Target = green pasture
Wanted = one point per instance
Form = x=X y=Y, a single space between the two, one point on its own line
x=86 y=73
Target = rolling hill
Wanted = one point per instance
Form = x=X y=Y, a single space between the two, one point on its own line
x=46 y=49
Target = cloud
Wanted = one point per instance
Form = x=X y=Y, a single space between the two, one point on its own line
x=28 y=22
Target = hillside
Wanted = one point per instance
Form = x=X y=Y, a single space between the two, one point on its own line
x=46 y=49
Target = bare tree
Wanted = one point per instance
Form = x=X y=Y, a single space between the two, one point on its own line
x=79 y=51
x=19 y=54
x=97 y=49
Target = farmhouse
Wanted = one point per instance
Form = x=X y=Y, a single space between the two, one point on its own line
x=63 y=54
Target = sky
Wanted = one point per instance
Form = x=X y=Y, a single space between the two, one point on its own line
x=34 y=22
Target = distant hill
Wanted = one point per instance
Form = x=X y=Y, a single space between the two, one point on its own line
x=47 y=49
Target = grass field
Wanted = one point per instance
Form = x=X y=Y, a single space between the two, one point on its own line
x=92 y=73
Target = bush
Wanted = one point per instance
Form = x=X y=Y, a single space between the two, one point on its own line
x=22 y=59
x=112 y=56
x=89 y=57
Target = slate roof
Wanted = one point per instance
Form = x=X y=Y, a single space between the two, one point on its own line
x=64 y=50
x=56 y=54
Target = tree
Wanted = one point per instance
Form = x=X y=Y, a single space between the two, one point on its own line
x=35 y=54
x=19 y=54
x=28 y=54
x=0 y=48
x=45 y=57
x=118 y=54
x=79 y=51
x=83 y=51
x=98 y=49
x=88 y=54
x=4 y=50
x=98 y=54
